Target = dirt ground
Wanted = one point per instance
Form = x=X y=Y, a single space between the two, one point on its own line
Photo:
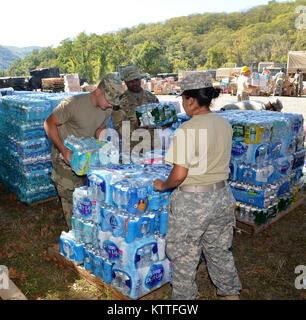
x=265 y=262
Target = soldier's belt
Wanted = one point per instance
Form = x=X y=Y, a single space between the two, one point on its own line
x=208 y=188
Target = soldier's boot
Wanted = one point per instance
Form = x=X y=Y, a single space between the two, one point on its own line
x=229 y=298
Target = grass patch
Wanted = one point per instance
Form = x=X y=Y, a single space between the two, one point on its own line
x=265 y=262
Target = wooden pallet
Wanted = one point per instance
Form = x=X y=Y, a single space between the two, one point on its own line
x=12 y=293
x=39 y=202
x=98 y=282
x=253 y=229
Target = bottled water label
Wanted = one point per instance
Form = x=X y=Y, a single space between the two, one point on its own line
x=154 y=277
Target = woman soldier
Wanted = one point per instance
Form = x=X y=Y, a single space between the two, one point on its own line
x=201 y=208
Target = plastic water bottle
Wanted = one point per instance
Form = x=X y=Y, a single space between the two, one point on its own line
x=124 y=195
x=107 y=268
x=95 y=230
x=97 y=265
x=145 y=225
x=107 y=214
x=103 y=237
x=88 y=232
x=126 y=281
x=167 y=264
x=88 y=260
x=131 y=229
x=154 y=198
x=146 y=254
x=118 y=222
x=161 y=246
x=77 y=227
x=163 y=220
x=112 y=248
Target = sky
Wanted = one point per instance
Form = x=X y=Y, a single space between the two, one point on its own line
x=46 y=23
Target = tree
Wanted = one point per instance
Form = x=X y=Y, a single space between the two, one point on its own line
x=263 y=33
x=216 y=57
x=147 y=56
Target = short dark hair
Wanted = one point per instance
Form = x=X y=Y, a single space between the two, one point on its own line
x=203 y=95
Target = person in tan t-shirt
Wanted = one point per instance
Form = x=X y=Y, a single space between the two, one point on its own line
x=243 y=84
x=201 y=209
x=84 y=115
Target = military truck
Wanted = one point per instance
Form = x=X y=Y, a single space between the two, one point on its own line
x=296 y=60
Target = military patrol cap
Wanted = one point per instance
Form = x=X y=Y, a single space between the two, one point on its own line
x=195 y=80
x=113 y=88
x=131 y=73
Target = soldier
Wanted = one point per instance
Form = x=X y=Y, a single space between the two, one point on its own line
x=298 y=81
x=201 y=209
x=243 y=84
x=134 y=96
x=279 y=82
x=273 y=104
x=83 y=115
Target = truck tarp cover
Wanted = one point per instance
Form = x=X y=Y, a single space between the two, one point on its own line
x=226 y=72
x=296 y=60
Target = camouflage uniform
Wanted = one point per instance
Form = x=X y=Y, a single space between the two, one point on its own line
x=298 y=81
x=63 y=176
x=129 y=101
x=66 y=181
x=194 y=227
x=279 y=83
x=202 y=222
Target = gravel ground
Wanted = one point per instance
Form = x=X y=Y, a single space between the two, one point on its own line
x=291 y=104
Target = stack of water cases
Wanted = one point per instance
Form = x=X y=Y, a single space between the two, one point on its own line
x=25 y=157
x=266 y=169
x=156 y=114
x=118 y=228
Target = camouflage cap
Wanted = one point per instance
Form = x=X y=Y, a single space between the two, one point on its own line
x=195 y=80
x=113 y=88
x=131 y=73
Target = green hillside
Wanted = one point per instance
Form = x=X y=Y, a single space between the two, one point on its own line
x=199 y=41
x=8 y=54
x=6 y=57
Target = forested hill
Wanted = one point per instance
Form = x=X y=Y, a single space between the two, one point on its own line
x=199 y=41
x=8 y=54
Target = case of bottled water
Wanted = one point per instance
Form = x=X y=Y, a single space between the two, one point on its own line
x=89 y=153
x=156 y=114
x=25 y=158
x=267 y=162
x=121 y=223
x=71 y=248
